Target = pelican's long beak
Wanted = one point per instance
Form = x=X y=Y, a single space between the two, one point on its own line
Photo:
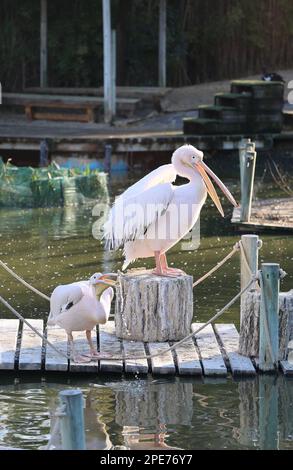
x=204 y=171
x=106 y=279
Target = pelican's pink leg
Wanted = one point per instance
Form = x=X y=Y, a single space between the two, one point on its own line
x=162 y=266
x=94 y=354
x=74 y=356
x=174 y=271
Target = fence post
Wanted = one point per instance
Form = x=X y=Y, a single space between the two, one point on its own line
x=72 y=425
x=248 y=170
x=44 y=153
x=242 y=150
x=108 y=159
x=251 y=245
x=269 y=317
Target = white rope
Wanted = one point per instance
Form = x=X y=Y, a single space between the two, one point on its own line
x=36 y=291
x=147 y=356
x=218 y=265
x=18 y=315
x=236 y=247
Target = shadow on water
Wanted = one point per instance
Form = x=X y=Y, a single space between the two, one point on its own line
x=155 y=413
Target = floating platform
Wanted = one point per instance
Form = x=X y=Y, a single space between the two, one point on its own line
x=212 y=354
x=269 y=214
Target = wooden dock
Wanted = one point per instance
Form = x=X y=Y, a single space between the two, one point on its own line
x=214 y=352
x=269 y=214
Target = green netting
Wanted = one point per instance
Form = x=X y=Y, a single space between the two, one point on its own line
x=50 y=186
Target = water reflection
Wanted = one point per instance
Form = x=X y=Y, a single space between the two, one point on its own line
x=152 y=414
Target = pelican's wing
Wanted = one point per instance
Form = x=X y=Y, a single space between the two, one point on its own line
x=63 y=297
x=139 y=206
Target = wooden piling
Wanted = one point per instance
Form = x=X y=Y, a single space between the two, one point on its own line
x=72 y=424
x=269 y=317
x=248 y=170
x=248 y=263
x=108 y=158
x=242 y=150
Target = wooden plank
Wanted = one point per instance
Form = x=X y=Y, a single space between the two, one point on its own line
x=163 y=364
x=8 y=342
x=188 y=362
x=110 y=344
x=210 y=353
x=30 y=356
x=287 y=367
x=59 y=116
x=229 y=337
x=82 y=347
x=53 y=360
x=132 y=366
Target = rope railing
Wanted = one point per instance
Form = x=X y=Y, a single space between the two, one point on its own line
x=145 y=356
x=238 y=246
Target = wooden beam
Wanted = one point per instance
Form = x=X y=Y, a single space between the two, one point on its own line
x=108 y=112
x=162 y=43
x=44 y=45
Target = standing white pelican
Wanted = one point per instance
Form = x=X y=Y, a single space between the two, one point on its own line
x=80 y=306
x=153 y=215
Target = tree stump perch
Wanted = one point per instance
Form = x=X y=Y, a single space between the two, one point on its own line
x=152 y=308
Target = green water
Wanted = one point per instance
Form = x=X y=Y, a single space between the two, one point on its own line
x=54 y=246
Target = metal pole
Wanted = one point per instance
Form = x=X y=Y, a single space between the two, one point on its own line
x=108 y=112
x=108 y=158
x=162 y=43
x=251 y=245
x=72 y=424
x=247 y=186
x=242 y=150
x=43 y=46
x=269 y=317
x=113 y=67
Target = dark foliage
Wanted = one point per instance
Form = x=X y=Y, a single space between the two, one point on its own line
x=207 y=40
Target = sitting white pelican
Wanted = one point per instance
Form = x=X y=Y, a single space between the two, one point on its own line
x=80 y=306
x=153 y=215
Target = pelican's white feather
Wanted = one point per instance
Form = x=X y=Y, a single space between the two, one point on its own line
x=139 y=206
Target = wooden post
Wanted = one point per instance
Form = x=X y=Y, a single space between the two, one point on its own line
x=108 y=158
x=269 y=317
x=247 y=185
x=44 y=152
x=113 y=71
x=244 y=144
x=268 y=412
x=43 y=46
x=72 y=425
x=251 y=245
x=108 y=112
x=162 y=43
x=153 y=308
